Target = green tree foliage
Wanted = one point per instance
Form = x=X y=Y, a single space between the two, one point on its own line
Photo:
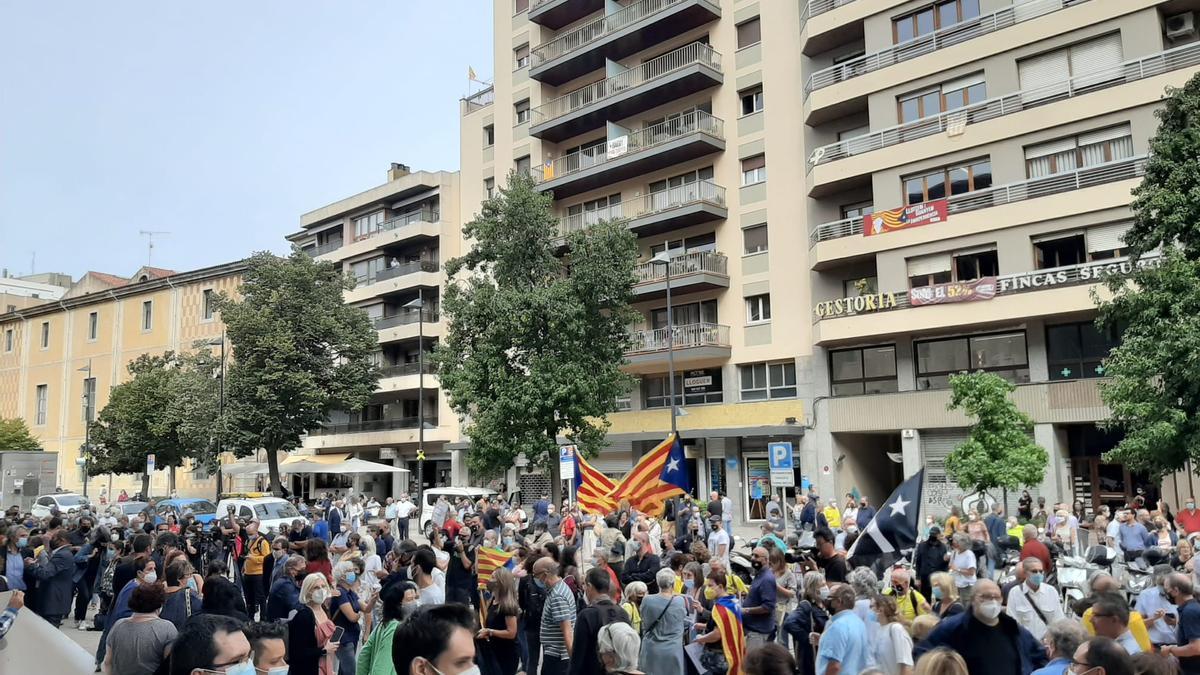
x=298 y=353
x=535 y=341
x=15 y=436
x=168 y=408
x=1154 y=390
x=999 y=453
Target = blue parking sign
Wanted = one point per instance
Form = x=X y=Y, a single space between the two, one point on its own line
x=780 y=456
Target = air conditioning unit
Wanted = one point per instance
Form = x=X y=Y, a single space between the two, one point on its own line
x=1181 y=26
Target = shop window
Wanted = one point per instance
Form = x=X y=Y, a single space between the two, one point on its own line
x=1003 y=354
x=1077 y=350
x=762 y=381
x=866 y=370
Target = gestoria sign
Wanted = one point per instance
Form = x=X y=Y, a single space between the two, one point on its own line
x=856 y=305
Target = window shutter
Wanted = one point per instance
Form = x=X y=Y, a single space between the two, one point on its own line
x=1040 y=72
x=929 y=265
x=1051 y=148
x=975 y=250
x=755 y=162
x=1103 y=53
x=963 y=82
x=1107 y=237
x=1108 y=134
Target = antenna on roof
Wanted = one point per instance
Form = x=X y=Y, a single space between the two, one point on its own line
x=149 y=235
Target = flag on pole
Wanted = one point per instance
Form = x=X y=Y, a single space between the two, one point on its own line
x=894 y=527
x=592 y=488
x=728 y=618
x=471 y=74
x=488 y=560
x=659 y=475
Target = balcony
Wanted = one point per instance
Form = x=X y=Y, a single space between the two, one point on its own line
x=667 y=78
x=817 y=7
x=690 y=136
x=408 y=317
x=1125 y=169
x=478 y=101
x=660 y=211
x=554 y=14
x=372 y=425
x=953 y=121
x=423 y=223
x=405 y=377
x=931 y=42
x=690 y=272
x=693 y=344
x=404 y=369
x=327 y=247
x=615 y=36
x=392 y=279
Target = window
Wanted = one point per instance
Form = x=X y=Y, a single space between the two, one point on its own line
x=148 y=315
x=208 y=303
x=762 y=381
x=1060 y=250
x=1087 y=63
x=754 y=239
x=1003 y=354
x=1105 y=242
x=1077 y=350
x=365 y=226
x=931 y=18
x=704 y=311
x=366 y=271
x=752 y=100
x=754 y=169
x=42 y=397
x=698 y=243
x=1075 y=152
x=961 y=179
x=976 y=264
x=521 y=109
x=521 y=56
x=489 y=135
x=520 y=6
x=857 y=211
x=866 y=370
x=681 y=189
x=929 y=270
x=523 y=165
x=694 y=387
x=758 y=308
x=948 y=96
x=45 y=334
x=89 y=399
x=591 y=212
x=958 y=266
x=489 y=187
x=749 y=33
x=93 y=325
x=8 y=340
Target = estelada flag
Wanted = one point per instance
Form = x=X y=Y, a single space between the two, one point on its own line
x=728 y=618
x=592 y=488
x=659 y=475
x=488 y=560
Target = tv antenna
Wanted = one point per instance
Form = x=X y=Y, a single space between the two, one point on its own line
x=149 y=235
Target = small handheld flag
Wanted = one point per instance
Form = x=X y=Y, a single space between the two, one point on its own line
x=488 y=560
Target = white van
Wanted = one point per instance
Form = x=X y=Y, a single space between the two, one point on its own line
x=274 y=515
x=452 y=495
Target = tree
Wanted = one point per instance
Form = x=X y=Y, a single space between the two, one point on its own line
x=15 y=436
x=1154 y=390
x=298 y=353
x=535 y=341
x=1000 y=452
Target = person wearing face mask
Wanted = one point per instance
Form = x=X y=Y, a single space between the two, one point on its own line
x=460 y=574
x=842 y=647
x=1180 y=590
x=285 y=594
x=1061 y=640
x=663 y=629
x=1035 y=604
x=424 y=562
x=987 y=639
x=809 y=618
x=55 y=576
x=398 y=600
x=496 y=641
x=181 y=600
x=930 y=558
x=1188 y=518
x=347 y=610
x=268 y=645
x=436 y=641
x=758 y=610
x=138 y=644
x=310 y=651
x=12 y=564
x=144 y=573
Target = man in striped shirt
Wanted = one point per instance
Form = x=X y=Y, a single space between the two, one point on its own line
x=558 y=617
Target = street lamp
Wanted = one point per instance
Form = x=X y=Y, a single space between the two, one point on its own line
x=87 y=422
x=220 y=406
x=664 y=258
x=418 y=304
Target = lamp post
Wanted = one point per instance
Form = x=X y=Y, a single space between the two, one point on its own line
x=664 y=258
x=87 y=423
x=220 y=405
x=418 y=304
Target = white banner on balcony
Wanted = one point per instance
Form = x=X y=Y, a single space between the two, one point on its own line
x=618 y=146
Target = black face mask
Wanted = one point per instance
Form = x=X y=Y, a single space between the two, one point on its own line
x=756 y=564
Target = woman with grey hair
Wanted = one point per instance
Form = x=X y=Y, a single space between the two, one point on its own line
x=618 y=646
x=664 y=619
x=1061 y=640
x=809 y=617
x=963 y=566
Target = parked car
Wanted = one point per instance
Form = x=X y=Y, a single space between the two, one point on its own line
x=202 y=510
x=127 y=509
x=452 y=495
x=67 y=503
x=273 y=514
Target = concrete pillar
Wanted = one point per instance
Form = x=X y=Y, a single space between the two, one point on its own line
x=910 y=449
x=458 y=467
x=1056 y=484
x=399 y=480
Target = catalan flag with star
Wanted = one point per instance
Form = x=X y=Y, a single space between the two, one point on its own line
x=728 y=618
x=658 y=476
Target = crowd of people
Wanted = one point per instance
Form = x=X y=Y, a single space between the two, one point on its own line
x=499 y=590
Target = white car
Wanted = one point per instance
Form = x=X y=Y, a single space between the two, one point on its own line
x=272 y=513
x=67 y=503
x=452 y=495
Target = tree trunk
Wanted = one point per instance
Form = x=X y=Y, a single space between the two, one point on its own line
x=556 y=483
x=273 y=471
x=171 y=481
x=146 y=486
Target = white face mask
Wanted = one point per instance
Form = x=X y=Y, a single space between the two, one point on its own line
x=150 y=577
x=473 y=670
x=989 y=610
x=282 y=670
x=320 y=595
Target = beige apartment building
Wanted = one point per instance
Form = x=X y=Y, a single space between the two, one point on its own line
x=393 y=239
x=948 y=182
x=60 y=359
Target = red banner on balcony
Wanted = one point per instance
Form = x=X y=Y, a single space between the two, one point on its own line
x=913 y=215
x=983 y=288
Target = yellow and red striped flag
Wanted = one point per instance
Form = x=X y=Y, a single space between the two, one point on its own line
x=659 y=475
x=592 y=488
x=488 y=560
x=728 y=618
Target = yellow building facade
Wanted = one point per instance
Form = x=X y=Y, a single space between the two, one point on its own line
x=46 y=352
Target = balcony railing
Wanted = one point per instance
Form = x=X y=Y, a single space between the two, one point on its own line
x=662 y=66
x=404 y=318
x=1033 y=188
x=371 y=425
x=938 y=39
x=403 y=369
x=582 y=36
x=687 y=336
x=636 y=142
x=814 y=7
x=705 y=191
x=327 y=247
x=479 y=100
x=407 y=268
x=682 y=265
x=1149 y=66
x=422 y=216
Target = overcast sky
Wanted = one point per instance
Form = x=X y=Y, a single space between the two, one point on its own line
x=217 y=121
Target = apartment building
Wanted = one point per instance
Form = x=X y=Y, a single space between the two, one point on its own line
x=59 y=360
x=948 y=184
x=393 y=239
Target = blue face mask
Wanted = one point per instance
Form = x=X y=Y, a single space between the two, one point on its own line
x=351 y=578
x=1037 y=578
x=22 y=542
x=246 y=668
x=688 y=585
x=937 y=593
x=540 y=584
x=192 y=585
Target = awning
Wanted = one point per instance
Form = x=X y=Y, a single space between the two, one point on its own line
x=334 y=458
x=347 y=466
x=240 y=468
